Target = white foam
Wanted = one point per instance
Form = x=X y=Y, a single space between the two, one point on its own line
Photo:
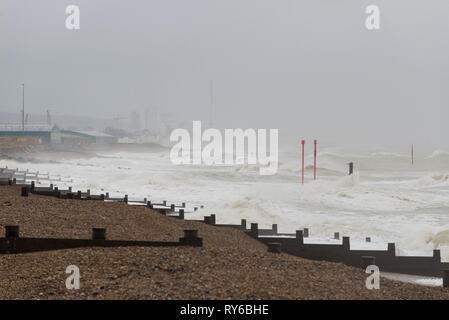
x=386 y=199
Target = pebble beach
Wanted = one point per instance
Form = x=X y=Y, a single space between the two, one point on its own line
x=230 y=265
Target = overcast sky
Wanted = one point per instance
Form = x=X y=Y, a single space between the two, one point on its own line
x=310 y=68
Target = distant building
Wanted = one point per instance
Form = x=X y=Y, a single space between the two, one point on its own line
x=11 y=135
x=30 y=133
x=86 y=137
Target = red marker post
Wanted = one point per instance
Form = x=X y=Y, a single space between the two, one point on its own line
x=303 y=142
x=314 y=159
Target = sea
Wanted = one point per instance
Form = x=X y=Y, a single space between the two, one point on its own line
x=387 y=198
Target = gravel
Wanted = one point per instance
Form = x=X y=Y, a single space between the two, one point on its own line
x=230 y=265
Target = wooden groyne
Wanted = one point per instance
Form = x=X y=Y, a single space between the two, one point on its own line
x=294 y=244
x=13 y=243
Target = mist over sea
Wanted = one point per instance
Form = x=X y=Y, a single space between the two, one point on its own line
x=387 y=199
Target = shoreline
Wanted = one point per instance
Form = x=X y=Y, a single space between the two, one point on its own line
x=230 y=265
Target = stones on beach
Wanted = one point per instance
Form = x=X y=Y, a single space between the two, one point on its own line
x=230 y=265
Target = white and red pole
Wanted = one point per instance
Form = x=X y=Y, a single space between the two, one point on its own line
x=314 y=159
x=303 y=142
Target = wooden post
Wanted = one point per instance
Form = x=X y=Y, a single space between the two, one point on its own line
x=11 y=231
x=255 y=229
x=300 y=236
x=446 y=278
x=274 y=247
x=24 y=191
x=98 y=234
x=368 y=261
x=306 y=232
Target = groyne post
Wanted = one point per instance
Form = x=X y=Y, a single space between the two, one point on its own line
x=306 y=232
x=351 y=168
x=191 y=238
x=24 y=191
x=391 y=249
x=368 y=261
x=437 y=255
x=346 y=243
x=254 y=230
x=300 y=237
x=11 y=231
x=446 y=278
x=98 y=234
x=274 y=247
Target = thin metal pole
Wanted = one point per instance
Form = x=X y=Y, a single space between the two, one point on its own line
x=314 y=160
x=23 y=107
x=303 y=142
x=412 y=156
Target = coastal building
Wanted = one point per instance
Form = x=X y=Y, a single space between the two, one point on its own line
x=13 y=135
x=86 y=137
x=29 y=134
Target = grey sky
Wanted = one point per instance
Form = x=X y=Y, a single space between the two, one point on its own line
x=309 y=68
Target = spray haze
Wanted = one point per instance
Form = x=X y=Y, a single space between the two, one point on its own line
x=310 y=69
